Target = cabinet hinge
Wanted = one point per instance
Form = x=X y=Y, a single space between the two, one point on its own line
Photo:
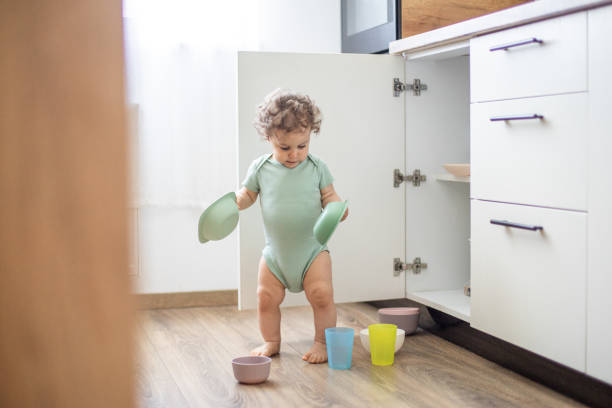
x=416 y=177
x=415 y=266
x=416 y=87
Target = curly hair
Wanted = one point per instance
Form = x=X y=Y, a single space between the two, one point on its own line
x=288 y=111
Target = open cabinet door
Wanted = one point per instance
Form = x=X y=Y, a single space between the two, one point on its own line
x=361 y=141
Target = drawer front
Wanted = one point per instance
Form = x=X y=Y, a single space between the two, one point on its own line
x=528 y=287
x=556 y=65
x=531 y=161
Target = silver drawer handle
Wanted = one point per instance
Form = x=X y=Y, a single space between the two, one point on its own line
x=517 y=225
x=522 y=117
x=516 y=44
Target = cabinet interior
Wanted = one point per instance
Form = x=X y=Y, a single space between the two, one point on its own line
x=437 y=126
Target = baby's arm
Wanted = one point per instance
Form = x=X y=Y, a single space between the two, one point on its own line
x=328 y=195
x=245 y=198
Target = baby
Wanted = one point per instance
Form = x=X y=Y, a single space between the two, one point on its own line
x=294 y=186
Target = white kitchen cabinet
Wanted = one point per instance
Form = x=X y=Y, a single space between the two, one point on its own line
x=529 y=144
x=367 y=133
x=599 y=266
x=546 y=291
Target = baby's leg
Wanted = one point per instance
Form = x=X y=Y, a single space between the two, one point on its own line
x=270 y=294
x=320 y=294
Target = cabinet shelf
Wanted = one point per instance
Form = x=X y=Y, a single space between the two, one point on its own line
x=450 y=177
x=452 y=302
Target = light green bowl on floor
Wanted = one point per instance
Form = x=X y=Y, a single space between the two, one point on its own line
x=328 y=220
x=219 y=219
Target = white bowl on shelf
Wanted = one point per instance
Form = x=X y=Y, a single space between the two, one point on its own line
x=458 y=169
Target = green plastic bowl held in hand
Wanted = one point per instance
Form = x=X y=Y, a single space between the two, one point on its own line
x=219 y=219
x=328 y=221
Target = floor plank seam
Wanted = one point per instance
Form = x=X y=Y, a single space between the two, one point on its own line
x=165 y=364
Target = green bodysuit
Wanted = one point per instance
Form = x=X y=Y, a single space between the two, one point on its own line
x=290 y=200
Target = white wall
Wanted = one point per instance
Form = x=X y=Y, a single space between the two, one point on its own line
x=170 y=258
x=300 y=25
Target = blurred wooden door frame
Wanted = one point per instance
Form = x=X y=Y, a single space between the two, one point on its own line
x=66 y=314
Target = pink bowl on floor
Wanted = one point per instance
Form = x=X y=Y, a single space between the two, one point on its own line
x=405 y=318
x=251 y=369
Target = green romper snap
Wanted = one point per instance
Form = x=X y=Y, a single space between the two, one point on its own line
x=290 y=200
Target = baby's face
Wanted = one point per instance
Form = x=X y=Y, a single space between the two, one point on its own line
x=290 y=148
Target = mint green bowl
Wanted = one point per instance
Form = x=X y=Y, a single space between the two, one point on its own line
x=328 y=221
x=219 y=219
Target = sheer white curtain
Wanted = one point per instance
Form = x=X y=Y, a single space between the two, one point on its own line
x=181 y=72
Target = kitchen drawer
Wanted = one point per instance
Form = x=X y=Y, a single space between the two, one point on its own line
x=557 y=65
x=533 y=161
x=529 y=287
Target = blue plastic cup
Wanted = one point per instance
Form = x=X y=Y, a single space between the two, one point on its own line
x=339 y=347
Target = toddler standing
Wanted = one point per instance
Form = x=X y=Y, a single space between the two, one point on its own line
x=293 y=186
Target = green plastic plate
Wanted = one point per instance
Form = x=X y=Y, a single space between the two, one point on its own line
x=219 y=219
x=328 y=221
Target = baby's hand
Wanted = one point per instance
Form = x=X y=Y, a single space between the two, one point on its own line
x=329 y=195
x=345 y=215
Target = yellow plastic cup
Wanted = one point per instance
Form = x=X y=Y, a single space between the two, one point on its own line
x=382 y=343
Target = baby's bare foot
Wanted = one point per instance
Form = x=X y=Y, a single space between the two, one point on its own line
x=316 y=354
x=269 y=348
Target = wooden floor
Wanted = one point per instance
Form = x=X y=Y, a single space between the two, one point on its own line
x=185 y=361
